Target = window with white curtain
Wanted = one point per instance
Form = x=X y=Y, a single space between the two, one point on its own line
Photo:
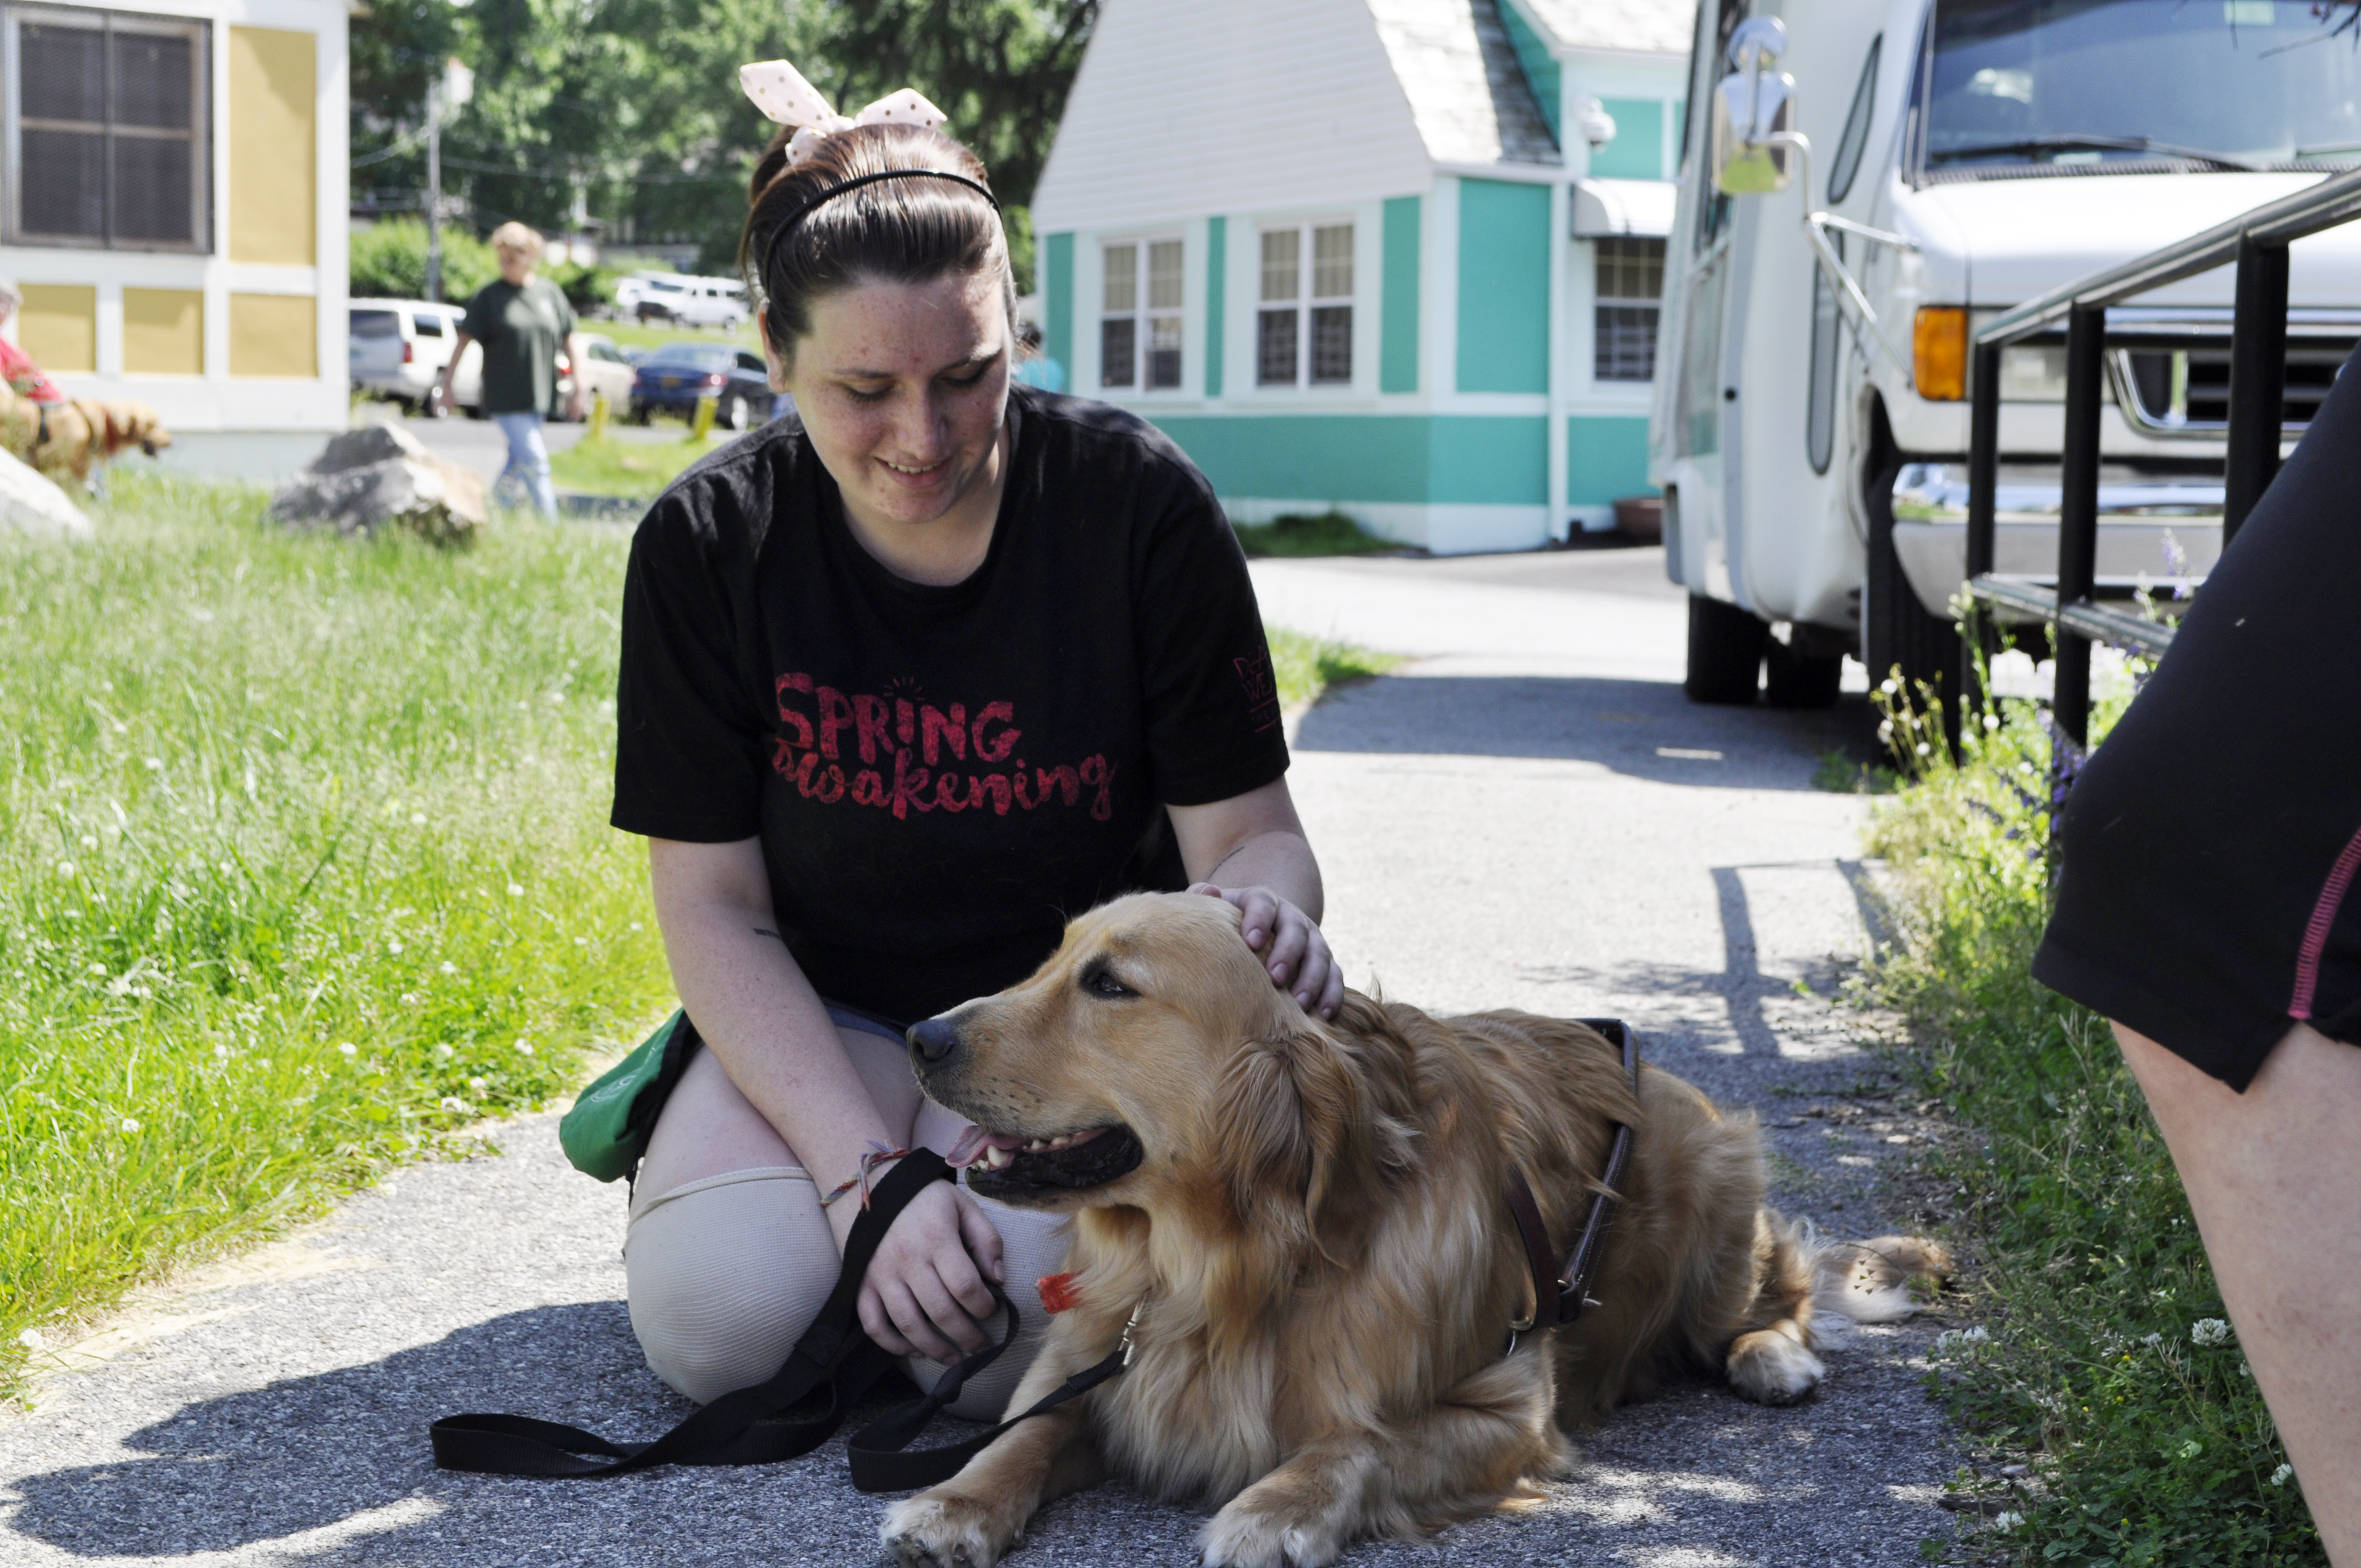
x=105 y=128
x=1304 y=323
x=1141 y=314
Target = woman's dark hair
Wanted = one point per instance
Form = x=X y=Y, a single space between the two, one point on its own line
x=905 y=230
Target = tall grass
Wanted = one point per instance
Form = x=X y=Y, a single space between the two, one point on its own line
x=304 y=864
x=2109 y=1373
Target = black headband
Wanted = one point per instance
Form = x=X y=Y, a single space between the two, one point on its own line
x=804 y=211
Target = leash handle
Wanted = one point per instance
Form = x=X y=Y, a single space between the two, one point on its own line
x=742 y=1427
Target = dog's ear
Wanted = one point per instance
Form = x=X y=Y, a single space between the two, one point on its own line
x=1303 y=1137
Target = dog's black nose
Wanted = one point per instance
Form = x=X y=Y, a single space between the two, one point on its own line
x=933 y=1039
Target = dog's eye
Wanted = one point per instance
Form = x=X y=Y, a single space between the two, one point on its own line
x=1100 y=980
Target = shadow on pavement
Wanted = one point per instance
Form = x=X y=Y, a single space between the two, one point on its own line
x=1643 y=729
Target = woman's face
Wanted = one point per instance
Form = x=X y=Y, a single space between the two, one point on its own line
x=902 y=388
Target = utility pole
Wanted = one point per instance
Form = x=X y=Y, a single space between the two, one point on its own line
x=449 y=87
x=435 y=187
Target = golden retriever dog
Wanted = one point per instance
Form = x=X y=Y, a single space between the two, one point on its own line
x=72 y=438
x=1306 y=1225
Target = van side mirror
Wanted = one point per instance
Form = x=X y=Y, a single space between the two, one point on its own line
x=1753 y=111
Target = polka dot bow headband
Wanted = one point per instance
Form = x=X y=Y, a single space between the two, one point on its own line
x=780 y=91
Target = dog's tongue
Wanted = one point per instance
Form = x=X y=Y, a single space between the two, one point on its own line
x=972 y=1145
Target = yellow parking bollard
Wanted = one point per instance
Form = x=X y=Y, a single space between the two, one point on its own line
x=599 y=415
x=702 y=425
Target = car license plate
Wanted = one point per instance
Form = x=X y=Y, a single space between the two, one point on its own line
x=670 y=383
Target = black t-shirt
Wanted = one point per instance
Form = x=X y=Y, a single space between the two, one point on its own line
x=943 y=776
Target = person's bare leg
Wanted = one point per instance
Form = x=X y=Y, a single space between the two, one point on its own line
x=2274 y=1177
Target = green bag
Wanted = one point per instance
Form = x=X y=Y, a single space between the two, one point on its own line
x=607 y=1132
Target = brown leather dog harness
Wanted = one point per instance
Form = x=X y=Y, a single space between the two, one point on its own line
x=1559 y=1295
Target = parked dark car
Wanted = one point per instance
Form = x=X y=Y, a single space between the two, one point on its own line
x=671 y=380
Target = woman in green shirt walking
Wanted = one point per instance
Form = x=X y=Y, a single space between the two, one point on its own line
x=524 y=323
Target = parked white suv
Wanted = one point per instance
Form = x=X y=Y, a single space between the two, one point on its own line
x=399 y=349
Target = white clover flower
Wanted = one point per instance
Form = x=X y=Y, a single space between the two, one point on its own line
x=98 y=969
x=524 y=1047
x=2151 y=1339
x=2007 y=1518
x=131 y=1124
x=32 y=1340
x=516 y=890
x=441 y=1052
x=477 y=1086
x=393 y=945
x=90 y=841
x=1925 y=750
x=1889 y=685
x=2208 y=1331
x=637 y=926
x=2279 y=1477
x=2024 y=767
x=348 y=1050
x=221 y=1053
x=227 y=869
x=446 y=967
x=155 y=764
x=2191 y=1449
x=454 y=1105
x=65 y=868
x=408 y=999
x=1952 y=1340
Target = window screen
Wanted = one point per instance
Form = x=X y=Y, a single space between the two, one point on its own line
x=107 y=130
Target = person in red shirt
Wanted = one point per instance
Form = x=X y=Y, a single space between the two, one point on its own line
x=16 y=368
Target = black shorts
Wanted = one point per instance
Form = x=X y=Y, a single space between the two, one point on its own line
x=2210 y=849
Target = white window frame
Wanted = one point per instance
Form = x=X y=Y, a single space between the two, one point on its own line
x=107 y=23
x=1149 y=313
x=1308 y=301
x=1602 y=302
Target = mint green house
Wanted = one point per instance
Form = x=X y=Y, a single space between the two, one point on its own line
x=1397 y=257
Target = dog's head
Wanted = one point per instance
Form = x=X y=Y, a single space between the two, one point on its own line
x=1151 y=1062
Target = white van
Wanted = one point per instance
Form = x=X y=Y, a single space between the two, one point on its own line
x=1957 y=157
x=676 y=297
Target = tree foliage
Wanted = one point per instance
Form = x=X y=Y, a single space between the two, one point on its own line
x=628 y=111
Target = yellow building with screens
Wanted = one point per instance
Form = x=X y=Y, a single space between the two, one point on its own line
x=172 y=205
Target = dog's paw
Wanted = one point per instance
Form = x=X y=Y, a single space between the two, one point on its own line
x=1243 y=1535
x=1771 y=1369
x=942 y=1529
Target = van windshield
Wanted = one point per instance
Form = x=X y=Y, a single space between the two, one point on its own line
x=2013 y=85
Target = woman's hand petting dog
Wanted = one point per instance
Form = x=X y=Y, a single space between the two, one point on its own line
x=925 y=1292
x=1289 y=943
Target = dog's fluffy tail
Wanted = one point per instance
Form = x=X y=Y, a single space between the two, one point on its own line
x=1869 y=1282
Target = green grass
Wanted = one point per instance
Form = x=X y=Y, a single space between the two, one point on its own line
x=635 y=469
x=2143 y=1433
x=304 y=866
x=656 y=335
x=1306 y=666
x=1329 y=533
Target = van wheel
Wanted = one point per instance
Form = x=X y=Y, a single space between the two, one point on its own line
x=1896 y=630
x=1725 y=652
x=1800 y=680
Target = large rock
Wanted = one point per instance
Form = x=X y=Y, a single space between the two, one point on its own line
x=381 y=476
x=30 y=502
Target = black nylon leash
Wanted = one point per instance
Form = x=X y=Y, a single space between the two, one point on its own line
x=750 y=1425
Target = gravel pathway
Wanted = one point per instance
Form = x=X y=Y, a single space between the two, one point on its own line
x=1530 y=815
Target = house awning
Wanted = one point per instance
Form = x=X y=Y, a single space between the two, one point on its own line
x=1623 y=206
